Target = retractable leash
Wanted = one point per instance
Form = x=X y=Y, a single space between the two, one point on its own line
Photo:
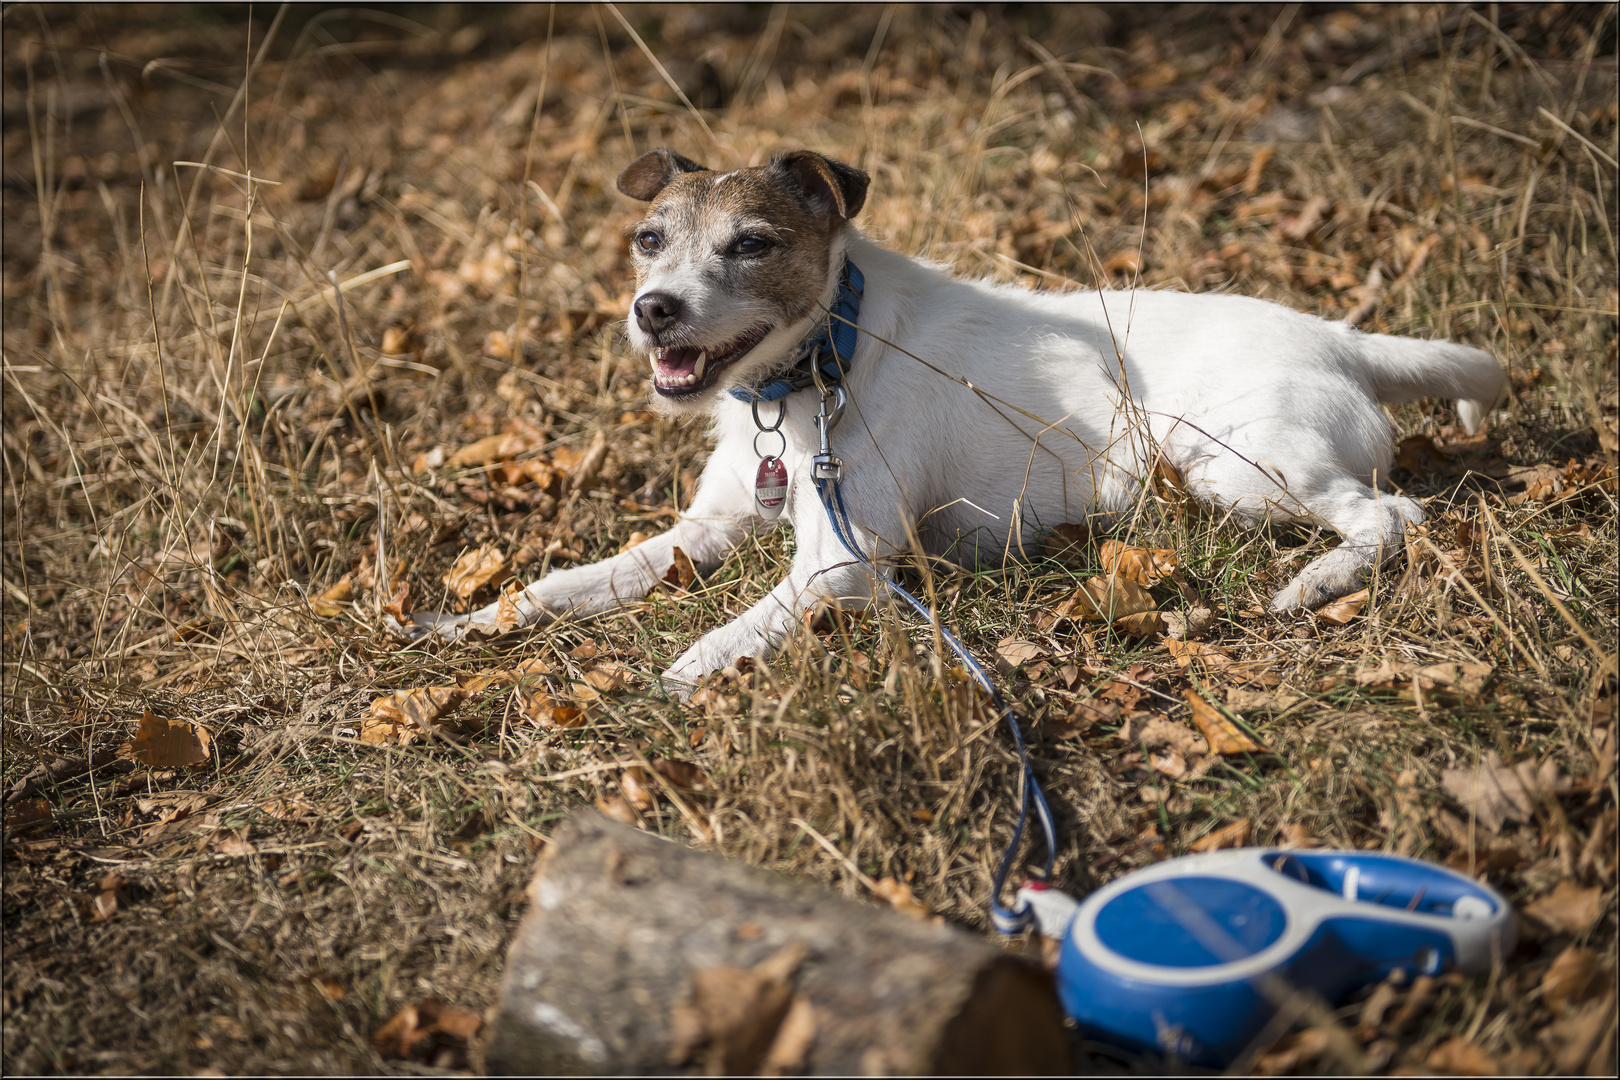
x=1194 y=956
x=823 y=366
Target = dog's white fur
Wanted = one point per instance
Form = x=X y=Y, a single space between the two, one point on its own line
x=1044 y=408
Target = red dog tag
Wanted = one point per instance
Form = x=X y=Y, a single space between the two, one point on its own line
x=770 y=488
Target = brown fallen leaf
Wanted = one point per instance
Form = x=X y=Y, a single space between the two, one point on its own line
x=1159 y=732
x=1109 y=598
x=503 y=447
x=616 y=809
x=681 y=573
x=1143 y=625
x=112 y=894
x=1569 y=908
x=638 y=787
x=1497 y=793
x=1013 y=653
x=428 y=1031
x=1344 y=608
x=898 y=896
x=1067 y=544
x=407 y=714
x=1144 y=566
x=1169 y=762
x=1206 y=657
x=683 y=776
x=1572 y=978
x=1227 y=836
x=582 y=465
x=165 y=744
x=1082 y=717
x=1224 y=736
x=537 y=704
x=1577 y=1040
x=1194 y=621
x=27 y=814
x=1292 y=834
x=1419 y=454
x=1459 y=1057
x=475 y=569
x=332 y=601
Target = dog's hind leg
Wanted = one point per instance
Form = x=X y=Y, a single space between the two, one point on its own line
x=1372 y=525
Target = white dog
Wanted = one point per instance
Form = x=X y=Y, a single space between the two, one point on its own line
x=977 y=414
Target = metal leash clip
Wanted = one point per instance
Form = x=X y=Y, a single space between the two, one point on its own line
x=824 y=466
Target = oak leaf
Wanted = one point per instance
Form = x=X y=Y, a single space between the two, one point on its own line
x=1207 y=657
x=407 y=714
x=1144 y=566
x=475 y=569
x=164 y=744
x=1107 y=598
x=1224 y=736
x=1343 y=609
x=1569 y=908
x=1015 y=652
x=1572 y=978
x=681 y=573
x=1496 y=793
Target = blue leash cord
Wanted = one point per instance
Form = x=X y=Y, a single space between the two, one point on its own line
x=1007 y=922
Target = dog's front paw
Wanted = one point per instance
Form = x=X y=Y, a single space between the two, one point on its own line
x=684 y=675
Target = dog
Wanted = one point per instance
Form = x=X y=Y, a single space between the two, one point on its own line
x=977 y=414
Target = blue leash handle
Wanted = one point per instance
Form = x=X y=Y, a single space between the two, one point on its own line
x=1006 y=921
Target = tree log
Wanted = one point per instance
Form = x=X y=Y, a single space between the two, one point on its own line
x=639 y=955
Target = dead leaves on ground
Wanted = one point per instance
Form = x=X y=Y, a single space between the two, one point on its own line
x=406 y=716
x=165 y=744
x=1453 y=679
x=429 y=1031
x=475 y=569
x=1224 y=736
x=512 y=469
x=1495 y=794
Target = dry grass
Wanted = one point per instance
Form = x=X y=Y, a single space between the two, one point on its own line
x=196 y=446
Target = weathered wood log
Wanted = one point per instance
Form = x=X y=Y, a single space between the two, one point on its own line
x=639 y=955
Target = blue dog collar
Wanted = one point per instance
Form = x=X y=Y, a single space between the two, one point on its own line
x=830 y=353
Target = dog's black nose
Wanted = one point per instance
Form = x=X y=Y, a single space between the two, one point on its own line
x=656 y=310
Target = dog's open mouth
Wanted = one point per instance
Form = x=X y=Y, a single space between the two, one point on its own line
x=682 y=370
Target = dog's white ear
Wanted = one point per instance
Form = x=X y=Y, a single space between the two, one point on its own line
x=831 y=186
x=646 y=176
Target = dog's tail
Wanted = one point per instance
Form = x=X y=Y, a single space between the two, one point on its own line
x=1405 y=369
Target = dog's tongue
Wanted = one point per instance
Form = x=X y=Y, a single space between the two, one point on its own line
x=678 y=360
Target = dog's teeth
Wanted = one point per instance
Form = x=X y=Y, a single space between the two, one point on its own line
x=652 y=358
x=702 y=361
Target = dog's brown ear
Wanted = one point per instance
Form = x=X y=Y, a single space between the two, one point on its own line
x=831 y=186
x=646 y=176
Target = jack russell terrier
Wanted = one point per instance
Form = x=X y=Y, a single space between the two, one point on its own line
x=977 y=414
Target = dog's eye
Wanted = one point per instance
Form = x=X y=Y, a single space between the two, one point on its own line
x=649 y=241
x=750 y=245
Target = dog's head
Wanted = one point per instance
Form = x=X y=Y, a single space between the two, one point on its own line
x=732 y=269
